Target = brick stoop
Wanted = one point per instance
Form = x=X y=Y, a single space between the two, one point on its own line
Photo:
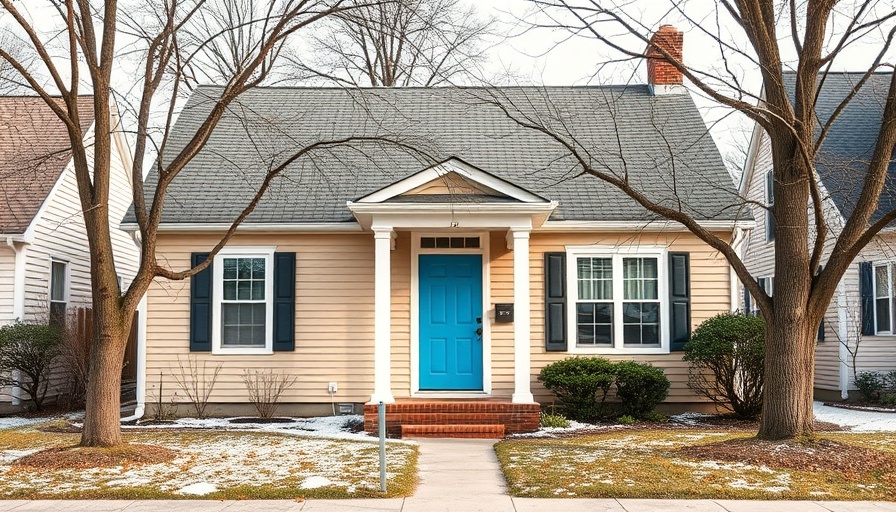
x=444 y=413
x=455 y=431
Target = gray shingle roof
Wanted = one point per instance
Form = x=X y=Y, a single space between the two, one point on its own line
x=660 y=141
x=847 y=150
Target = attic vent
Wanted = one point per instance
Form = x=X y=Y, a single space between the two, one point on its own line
x=453 y=242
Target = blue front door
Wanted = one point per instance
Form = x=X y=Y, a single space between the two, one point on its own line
x=450 y=321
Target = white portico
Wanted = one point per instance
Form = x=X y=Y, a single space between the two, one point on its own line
x=450 y=210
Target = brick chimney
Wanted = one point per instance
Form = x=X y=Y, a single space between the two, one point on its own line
x=663 y=77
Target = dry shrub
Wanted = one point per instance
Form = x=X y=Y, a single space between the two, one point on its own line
x=265 y=389
x=196 y=382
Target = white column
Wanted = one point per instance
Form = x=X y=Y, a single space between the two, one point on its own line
x=382 y=313
x=521 y=324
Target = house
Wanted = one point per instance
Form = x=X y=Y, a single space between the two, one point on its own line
x=439 y=270
x=858 y=332
x=44 y=258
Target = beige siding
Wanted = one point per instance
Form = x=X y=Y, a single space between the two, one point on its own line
x=334 y=314
x=710 y=295
x=7 y=278
x=334 y=320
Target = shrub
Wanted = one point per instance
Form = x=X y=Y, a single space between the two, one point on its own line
x=265 y=389
x=625 y=419
x=640 y=387
x=195 y=382
x=27 y=354
x=552 y=420
x=726 y=355
x=870 y=385
x=581 y=385
x=888 y=399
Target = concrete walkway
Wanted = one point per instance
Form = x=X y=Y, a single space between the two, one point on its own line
x=456 y=475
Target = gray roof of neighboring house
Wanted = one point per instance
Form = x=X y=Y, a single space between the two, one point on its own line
x=849 y=145
x=661 y=141
x=34 y=150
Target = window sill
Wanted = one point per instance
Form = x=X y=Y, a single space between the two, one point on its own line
x=242 y=351
x=617 y=351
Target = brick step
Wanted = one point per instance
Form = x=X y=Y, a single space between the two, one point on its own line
x=453 y=431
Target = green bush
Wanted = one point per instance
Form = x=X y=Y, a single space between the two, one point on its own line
x=640 y=387
x=888 y=399
x=625 y=419
x=727 y=355
x=581 y=385
x=870 y=385
x=552 y=420
x=27 y=354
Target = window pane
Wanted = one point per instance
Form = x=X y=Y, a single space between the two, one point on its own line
x=882 y=284
x=641 y=323
x=883 y=314
x=595 y=278
x=640 y=278
x=244 y=290
x=428 y=242
x=243 y=325
x=57 y=281
x=472 y=243
x=229 y=268
x=258 y=290
x=230 y=289
x=594 y=323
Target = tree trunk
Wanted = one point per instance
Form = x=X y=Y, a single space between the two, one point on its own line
x=787 y=406
x=103 y=410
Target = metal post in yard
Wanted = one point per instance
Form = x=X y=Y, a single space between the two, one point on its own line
x=381 y=410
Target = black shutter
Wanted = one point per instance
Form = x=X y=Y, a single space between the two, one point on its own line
x=555 y=338
x=284 y=301
x=747 y=305
x=866 y=291
x=200 y=306
x=679 y=300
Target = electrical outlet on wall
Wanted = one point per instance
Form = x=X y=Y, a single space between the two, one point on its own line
x=331 y=387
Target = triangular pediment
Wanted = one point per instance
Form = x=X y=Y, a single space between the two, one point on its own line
x=452 y=181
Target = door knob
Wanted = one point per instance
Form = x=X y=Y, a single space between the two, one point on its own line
x=479 y=331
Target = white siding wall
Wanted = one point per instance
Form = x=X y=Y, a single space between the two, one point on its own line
x=7 y=273
x=59 y=233
x=874 y=353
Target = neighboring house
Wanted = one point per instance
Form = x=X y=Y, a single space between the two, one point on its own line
x=44 y=258
x=383 y=274
x=858 y=332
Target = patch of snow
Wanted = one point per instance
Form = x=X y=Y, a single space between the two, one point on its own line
x=314 y=482
x=16 y=422
x=856 y=421
x=574 y=426
x=198 y=489
x=689 y=418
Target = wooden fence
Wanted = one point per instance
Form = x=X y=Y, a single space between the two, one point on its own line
x=80 y=329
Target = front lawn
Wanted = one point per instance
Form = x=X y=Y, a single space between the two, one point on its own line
x=650 y=462
x=213 y=464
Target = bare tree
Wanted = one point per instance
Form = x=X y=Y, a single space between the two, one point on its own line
x=174 y=43
x=769 y=37
x=398 y=43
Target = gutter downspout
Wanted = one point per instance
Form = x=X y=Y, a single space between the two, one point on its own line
x=843 y=337
x=736 y=245
x=18 y=297
x=141 y=362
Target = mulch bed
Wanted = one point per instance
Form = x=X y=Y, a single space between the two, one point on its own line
x=78 y=457
x=820 y=455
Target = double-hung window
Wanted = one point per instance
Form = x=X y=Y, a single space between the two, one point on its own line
x=884 y=291
x=243 y=296
x=618 y=299
x=58 y=292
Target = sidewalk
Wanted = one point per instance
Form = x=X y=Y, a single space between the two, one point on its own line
x=456 y=475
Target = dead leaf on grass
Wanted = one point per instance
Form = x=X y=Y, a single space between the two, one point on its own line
x=79 y=457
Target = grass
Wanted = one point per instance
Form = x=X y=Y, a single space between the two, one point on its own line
x=644 y=464
x=242 y=465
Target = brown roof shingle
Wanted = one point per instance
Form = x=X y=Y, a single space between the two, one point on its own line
x=34 y=150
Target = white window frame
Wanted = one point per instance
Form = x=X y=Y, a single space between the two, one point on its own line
x=890 y=276
x=218 y=291
x=769 y=187
x=617 y=253
x=65 y=285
